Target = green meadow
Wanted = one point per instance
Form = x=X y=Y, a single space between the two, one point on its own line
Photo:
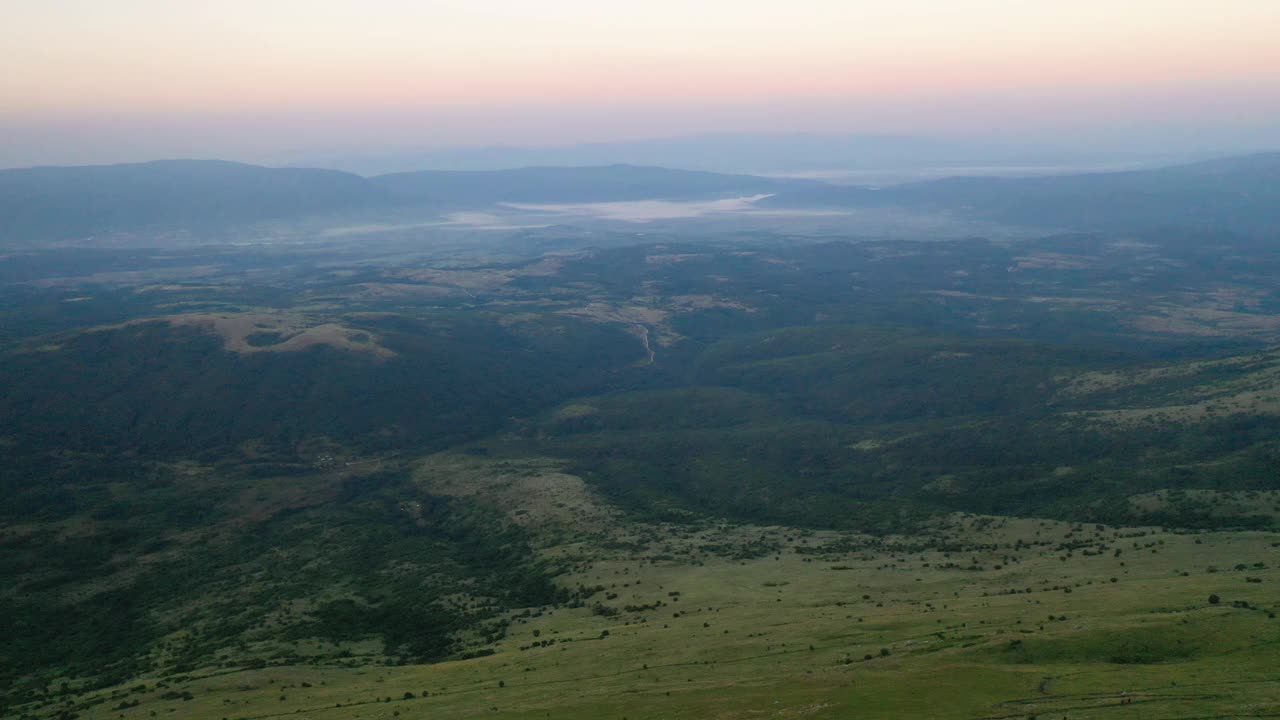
x=977 y=617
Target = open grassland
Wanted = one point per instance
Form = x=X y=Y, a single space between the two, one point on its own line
x=978 y=617
x=1244 y=385
x=278 y=332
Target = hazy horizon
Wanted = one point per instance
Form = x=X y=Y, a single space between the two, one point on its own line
x=142 y=79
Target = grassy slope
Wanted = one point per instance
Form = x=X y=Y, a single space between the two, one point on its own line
x=784 y=633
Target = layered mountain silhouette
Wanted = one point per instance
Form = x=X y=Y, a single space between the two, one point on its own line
x=1238 y=194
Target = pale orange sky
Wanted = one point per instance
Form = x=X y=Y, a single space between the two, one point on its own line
x=468 y=71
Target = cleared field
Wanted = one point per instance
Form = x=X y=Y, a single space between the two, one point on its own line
x=253 y=332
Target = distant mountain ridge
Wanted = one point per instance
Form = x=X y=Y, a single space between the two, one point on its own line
x=1238 y=194
x=602 y=183
x=48 y=204
x=66 y=203
x=55 y=203
x=887 y=154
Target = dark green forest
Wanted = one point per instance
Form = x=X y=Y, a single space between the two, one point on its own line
x=172 y=500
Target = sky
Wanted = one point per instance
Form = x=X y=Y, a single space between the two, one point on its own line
x=132 y=79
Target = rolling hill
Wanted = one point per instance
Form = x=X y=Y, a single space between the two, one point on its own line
x=682 y=479
x=610 y=183
x=63 y=203
x=1239 y=194
x=204 y=197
